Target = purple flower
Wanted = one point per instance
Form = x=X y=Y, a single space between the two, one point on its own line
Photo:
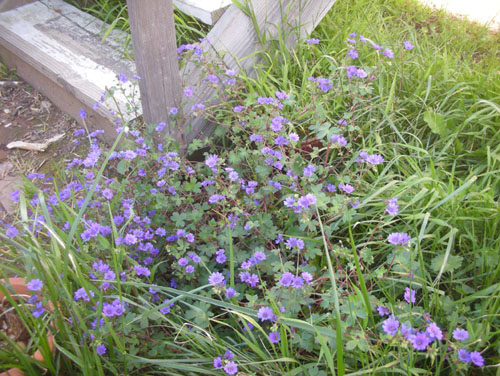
x=277 y=123
x=274 y=337
x=35 y=285
x=107 y=193
x=188 y=91
x=123 y=78
x=101 y=349
x=376 y=46
x=280 y=140
x=339 y=139
x=82 y=294
x=309 y=170
x=218 y=362
x=286 y=279
x=141 y=270
x=461 y=334
x=259 y=256
x=392 y=206
x=298 y=283
x=312 y=41
x=266 y=314
x=289 y=202
x=324 y=84
x=174 y=111
x=231 y=368
x=398 y=238
x=353 y=54
x=388 y=53
x=407 y=45
x=216 y=279
x=230 y=292
x=216 y=198
x=346 y=188
x=294 y=137
x=464 y=355
x=361 y=73
x=390 y=325
x=190 y=269
x=12 y=232
x=256 y=138
x=82 y=113
x=274 y=184
x=477 y=358
x=38 y=310
x=383 y=311
x=183 y=261
x=307 y=200
x=212 y=160
x=108 y=310
x=409 y=295
x=434 y=332
x=130 y=239
x=221 y=258
x=420 y=341
x=351 y=71
x=307 y=277
x=253 y=280
x=281 y=95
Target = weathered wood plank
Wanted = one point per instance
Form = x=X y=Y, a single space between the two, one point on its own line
x=207 y=11
x=58 y=95
x=6 y=5
x=155 y=52
x=234 y=40
x=50 y=37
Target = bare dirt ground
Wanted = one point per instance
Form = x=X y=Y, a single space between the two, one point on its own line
x=26 y=115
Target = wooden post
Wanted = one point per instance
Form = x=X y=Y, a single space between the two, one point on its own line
x=155 y=50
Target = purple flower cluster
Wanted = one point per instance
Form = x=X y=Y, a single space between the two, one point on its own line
x=229 y=366
x=324 y=84
x=216 y=279
x=392 y=206
x=399 y=238
x=297 y=282
x=303 y=203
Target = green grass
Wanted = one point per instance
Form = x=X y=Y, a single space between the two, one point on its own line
x=435 y=116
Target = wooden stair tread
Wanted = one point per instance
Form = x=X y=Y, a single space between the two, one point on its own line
x=207 y=11
x=65 y=45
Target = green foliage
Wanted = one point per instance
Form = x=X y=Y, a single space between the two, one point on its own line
x=431 y=112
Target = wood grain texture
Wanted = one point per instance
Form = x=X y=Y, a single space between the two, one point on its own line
x=59 y=96
x=207 y=11
x=49 y=36
x=234 y=41
x=155 y=50
x=6 y=5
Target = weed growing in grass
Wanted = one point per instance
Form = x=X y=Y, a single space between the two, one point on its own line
x=275 y=250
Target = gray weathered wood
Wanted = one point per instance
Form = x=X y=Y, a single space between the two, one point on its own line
x=6 y=5
x=234 y=40
x=207 y=11
x=58 y=49
x=155 y=52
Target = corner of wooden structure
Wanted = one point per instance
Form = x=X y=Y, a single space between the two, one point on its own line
x=59 y=95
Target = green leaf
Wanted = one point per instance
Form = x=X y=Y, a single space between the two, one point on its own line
x=436 y=122
x=453 y=263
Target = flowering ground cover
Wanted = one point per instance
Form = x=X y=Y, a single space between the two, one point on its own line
x=343 y=219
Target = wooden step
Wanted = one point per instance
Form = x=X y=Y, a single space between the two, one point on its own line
x=60 y=51
x=207 y=11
